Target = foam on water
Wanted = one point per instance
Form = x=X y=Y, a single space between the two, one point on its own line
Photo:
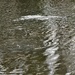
x=54 y=59
x=52 y=56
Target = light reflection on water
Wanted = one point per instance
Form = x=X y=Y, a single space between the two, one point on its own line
x=36 y=44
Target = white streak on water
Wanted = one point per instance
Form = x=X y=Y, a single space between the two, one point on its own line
x=36 y=17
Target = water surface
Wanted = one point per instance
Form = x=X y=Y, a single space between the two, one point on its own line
x=37 y=37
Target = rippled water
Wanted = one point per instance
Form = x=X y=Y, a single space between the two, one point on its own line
x=37 y=37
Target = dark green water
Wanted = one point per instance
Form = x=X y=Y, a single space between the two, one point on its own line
x=37 y=46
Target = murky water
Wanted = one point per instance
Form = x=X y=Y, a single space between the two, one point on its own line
x=37 y=37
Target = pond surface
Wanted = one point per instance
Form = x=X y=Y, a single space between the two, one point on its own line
x=37 y=37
